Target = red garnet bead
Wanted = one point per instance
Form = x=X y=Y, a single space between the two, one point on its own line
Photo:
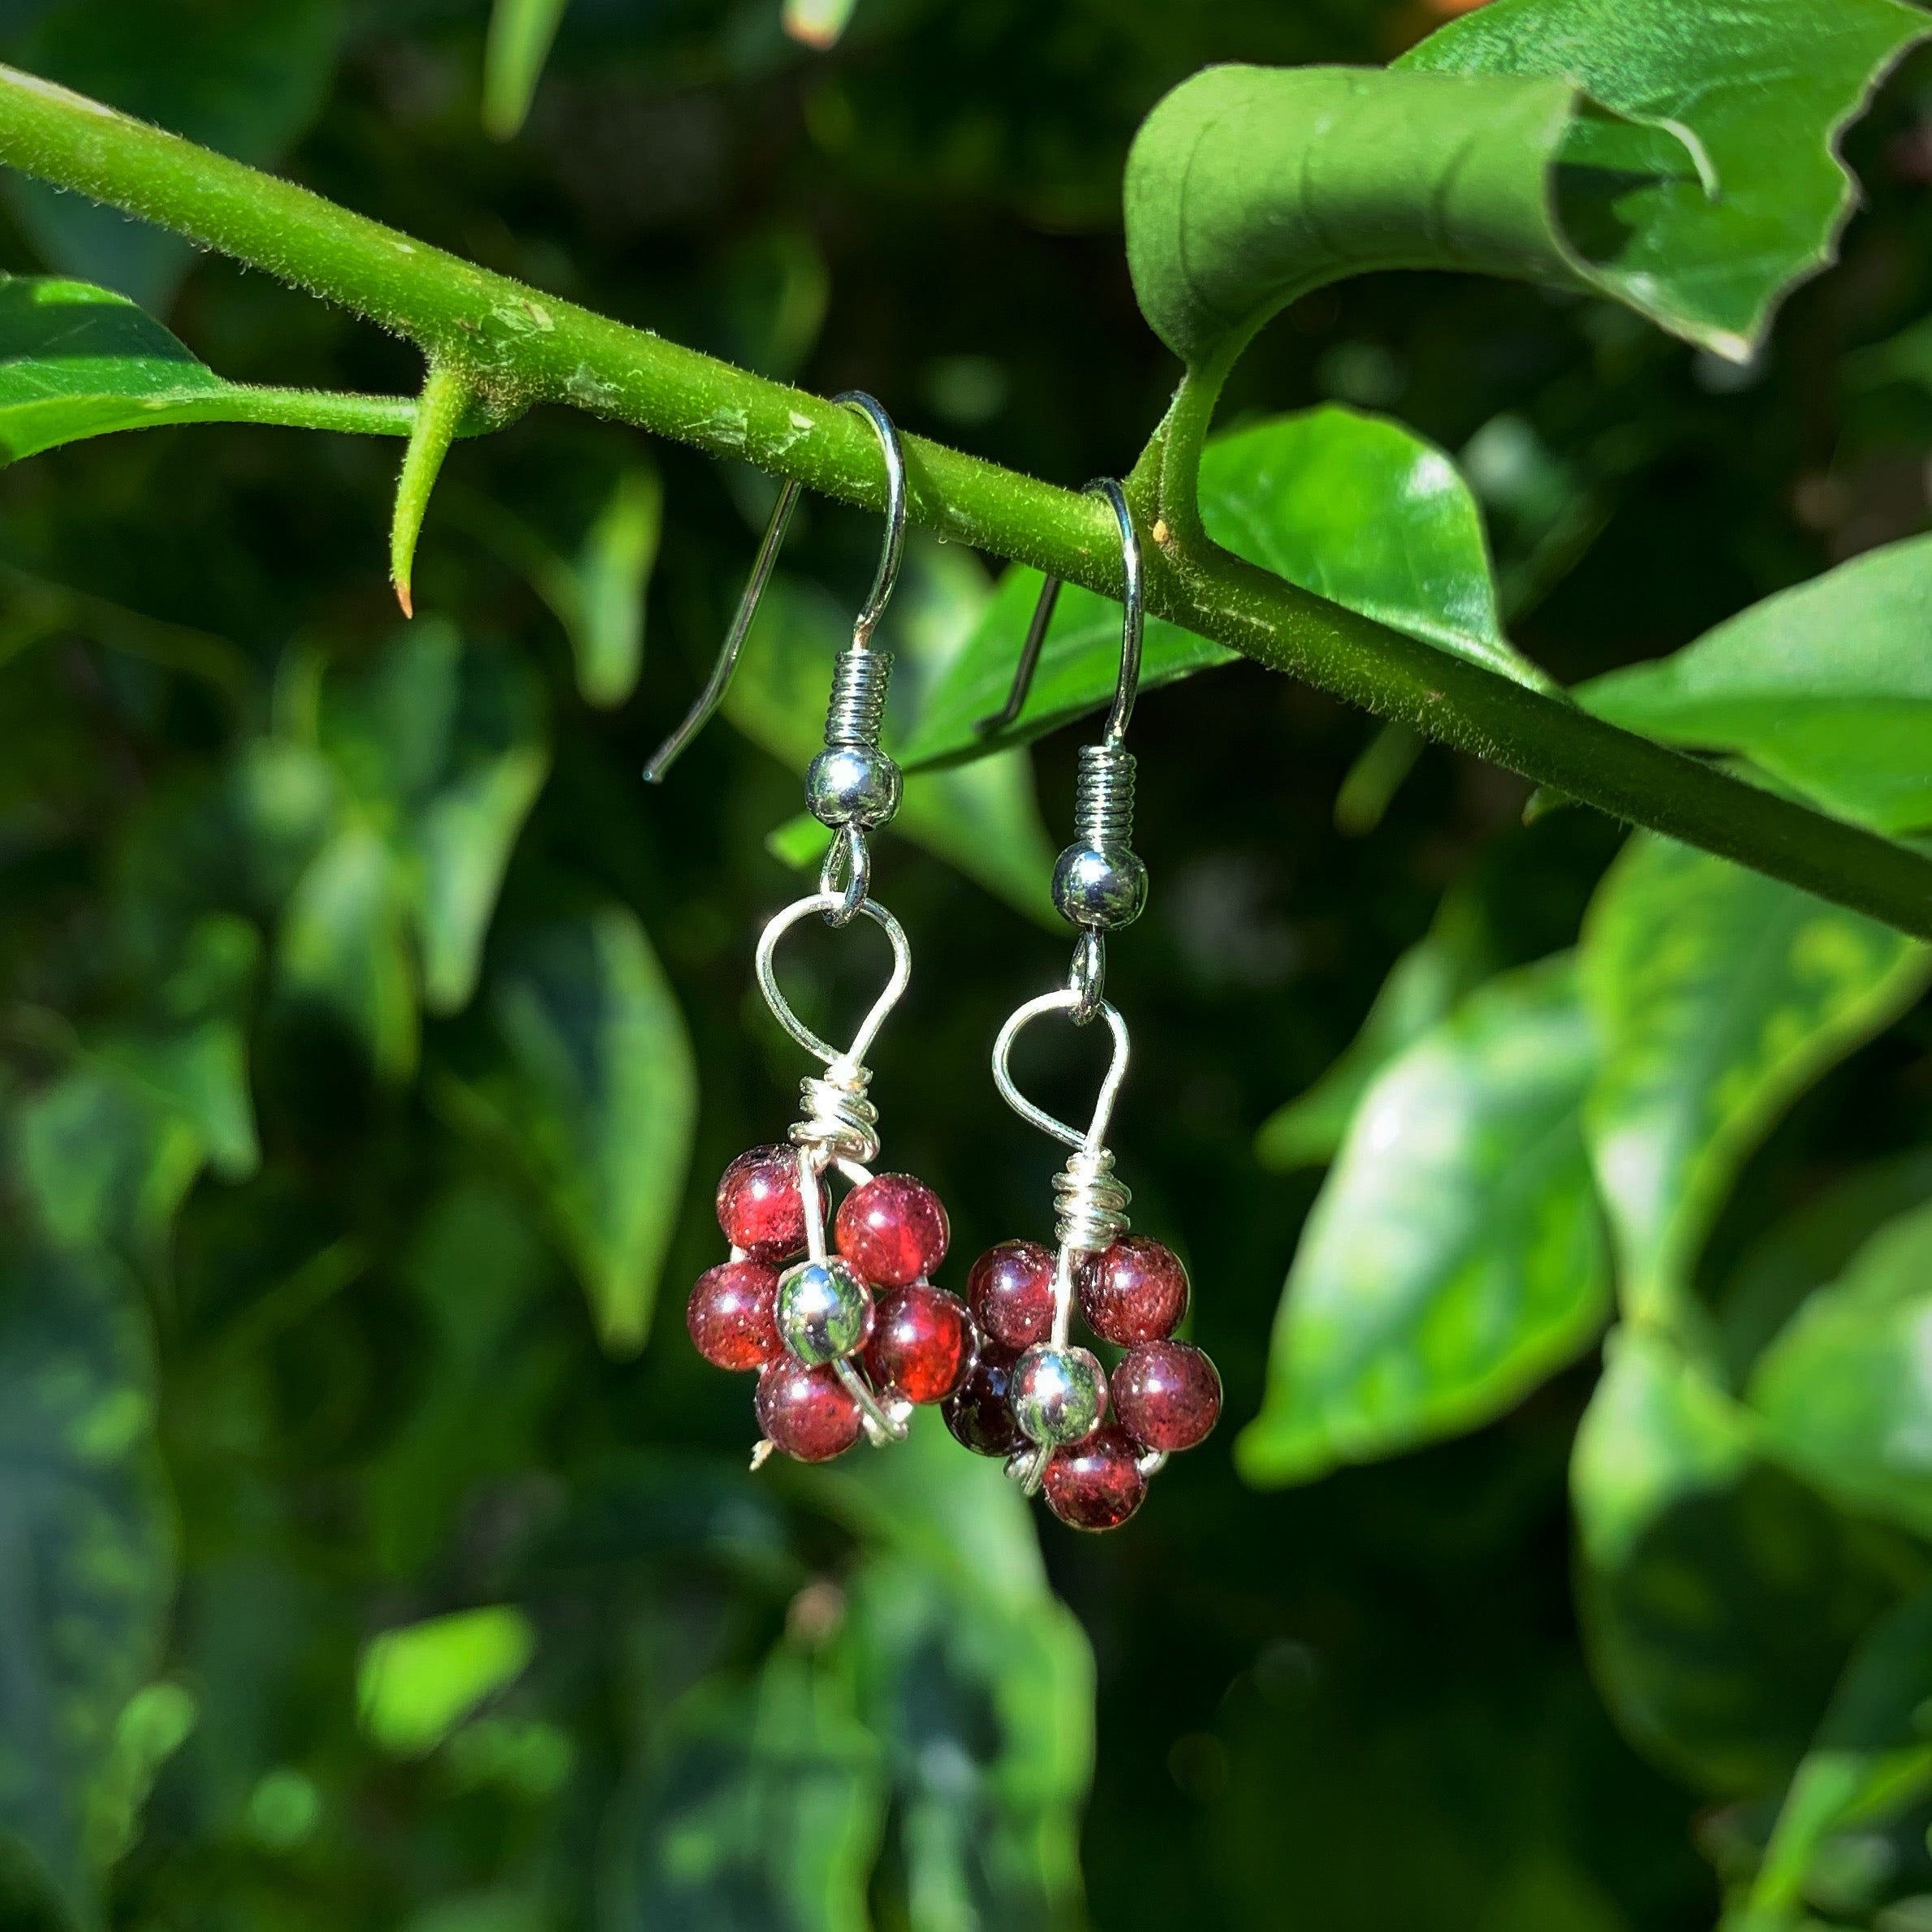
x=1136 y=1291
x=1011 y=1292
x=1166 y=1395
x=1096 y=1483
x=978 y=1411
x=759 y=1206
x=731 y=1315
x=893 y=1230
x=807 y=1412
x=921 y=1343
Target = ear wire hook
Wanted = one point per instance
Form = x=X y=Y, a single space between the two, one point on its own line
x=883 y=579
x=1132 y=623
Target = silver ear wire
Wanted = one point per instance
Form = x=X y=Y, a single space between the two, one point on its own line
x=713 y=695
x=1133 y=621
x=1099 y=882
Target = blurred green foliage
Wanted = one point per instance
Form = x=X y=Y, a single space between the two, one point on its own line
x=374 y=1549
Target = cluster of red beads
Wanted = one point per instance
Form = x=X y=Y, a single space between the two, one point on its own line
x=893 y=1232
x=1164 y=1394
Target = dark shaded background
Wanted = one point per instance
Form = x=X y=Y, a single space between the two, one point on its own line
x=1360 y=1706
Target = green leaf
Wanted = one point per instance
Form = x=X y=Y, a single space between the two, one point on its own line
x=762 y=1806
x=87 y=1563
x=1827 y=686
x=592 y=1100
x=78 y=361
x=235 y=76
x=1720 y=1598
x=1871 y=1759
x=520 y=34
x=1805 y=1249
x=1351 y=506
x=1720 y=996
x=983 y=820
x=108 y=1150
x=1765 y=88
x=475 y=1270
x=1456 y=1256
x=344 y=948
x=979 y=1683
x=1846 y=1392
x=612 y=571
x=1681 y=162
x=438 y=753
x=415 y=1685
x=1424 y=985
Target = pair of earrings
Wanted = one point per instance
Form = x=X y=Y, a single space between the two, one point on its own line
x=837 y=1311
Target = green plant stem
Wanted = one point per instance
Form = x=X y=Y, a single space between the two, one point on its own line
x=516 y=345
x=285 y=408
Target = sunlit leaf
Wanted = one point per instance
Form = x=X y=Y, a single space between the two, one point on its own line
x=78 y=361
x=1809 y=1247
x=592 y=1099
x=415 y=1685
x=1720 y=996
x=1765 y=88
x=1352 y=506
x=1720 y=1598
x=1679 y=161
x=1456 y=1256
x=1423 y=987
x=89 y=1562
x=1845 y=1391
x=1827 y=686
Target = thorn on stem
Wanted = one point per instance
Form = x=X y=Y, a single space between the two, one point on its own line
x=447 y=394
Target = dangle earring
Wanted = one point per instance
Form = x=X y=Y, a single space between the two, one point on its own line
x=1031 y=1395
x=846 y=1336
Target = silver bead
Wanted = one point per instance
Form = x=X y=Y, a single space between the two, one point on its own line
x=1099 y=887
x=824 y=1310
x=852 y=784
x=1058 y=1395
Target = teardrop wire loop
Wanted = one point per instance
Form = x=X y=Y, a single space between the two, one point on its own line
x=782 y=923
x=883 y=579
x=1092 y=1204
x=1127 y=684
x=840 y=1126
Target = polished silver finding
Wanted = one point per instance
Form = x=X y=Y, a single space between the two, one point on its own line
x=840 y=1129
x=1061 y=1000
x=1132 y=619
x=1090 y=1201
x=868 y=1029
x=883 y=579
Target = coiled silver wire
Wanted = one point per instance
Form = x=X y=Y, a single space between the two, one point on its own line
x=1091 y=1203
x=838 y=1116
x=859 y=680
x=1103 y=796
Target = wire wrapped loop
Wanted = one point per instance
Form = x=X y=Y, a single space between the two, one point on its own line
x=838 y=1117
x=1091 y=1203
